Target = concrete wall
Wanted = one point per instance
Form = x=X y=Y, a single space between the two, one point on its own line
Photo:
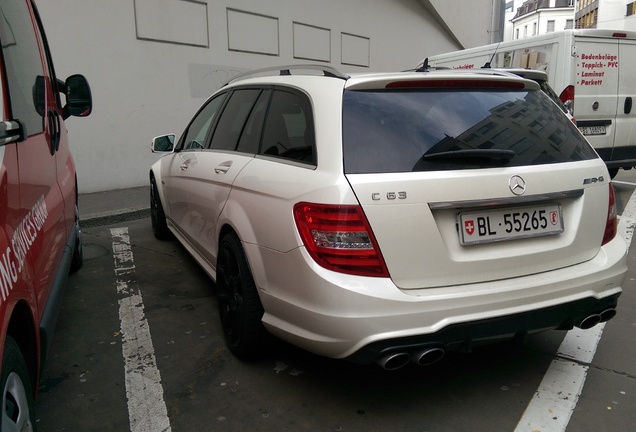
x=152 y=63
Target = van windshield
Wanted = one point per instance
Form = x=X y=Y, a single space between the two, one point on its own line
x=402 y=131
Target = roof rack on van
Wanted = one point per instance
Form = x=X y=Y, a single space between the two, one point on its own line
x=327 y=71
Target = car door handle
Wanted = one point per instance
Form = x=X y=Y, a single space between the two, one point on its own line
x=223 y=167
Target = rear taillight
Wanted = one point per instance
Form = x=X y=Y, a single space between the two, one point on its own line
x=611 y=226
x=567 y=97
x=339 y=238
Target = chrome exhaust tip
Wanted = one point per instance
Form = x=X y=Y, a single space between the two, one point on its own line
x=428 y=356
x=607 y=314
x=590 y=321
x=394 y=361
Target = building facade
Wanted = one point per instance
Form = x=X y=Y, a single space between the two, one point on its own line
x=152 y=63
x=535 y=17
x=606 y=14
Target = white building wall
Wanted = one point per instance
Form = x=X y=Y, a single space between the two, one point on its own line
x=537 y=23
x=152 y=63
x=630 y=23
x=611 y=14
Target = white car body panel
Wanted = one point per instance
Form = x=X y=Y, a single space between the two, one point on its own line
x=435 y=258
x=434 y=282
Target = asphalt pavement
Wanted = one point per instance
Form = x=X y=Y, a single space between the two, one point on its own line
x=205 y=388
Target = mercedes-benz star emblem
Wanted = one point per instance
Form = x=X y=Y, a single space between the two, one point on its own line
x=517 y=185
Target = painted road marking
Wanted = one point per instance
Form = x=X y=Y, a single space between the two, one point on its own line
x=553 y=403
x=146 y=408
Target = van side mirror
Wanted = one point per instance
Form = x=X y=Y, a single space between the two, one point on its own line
x=79 y=101
x=163 y=144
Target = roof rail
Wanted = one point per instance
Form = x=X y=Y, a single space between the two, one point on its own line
x=327 y=71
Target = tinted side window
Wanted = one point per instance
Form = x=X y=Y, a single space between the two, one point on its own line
x=22 y=61
x=251 y=137
x=233 y=119
x=288 y=131
x=403 y=131
x=200 y=125
x=552 y=95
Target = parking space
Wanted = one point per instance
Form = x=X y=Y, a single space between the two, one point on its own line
x=86 y=382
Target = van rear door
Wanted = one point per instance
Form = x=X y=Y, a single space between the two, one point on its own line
x=596 y=94
x=625 y=135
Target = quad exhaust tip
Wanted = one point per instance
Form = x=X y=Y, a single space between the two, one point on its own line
x=424 y=357
x=597 y=318
x=430 y=355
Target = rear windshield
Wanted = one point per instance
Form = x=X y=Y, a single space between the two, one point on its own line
x=402 y=131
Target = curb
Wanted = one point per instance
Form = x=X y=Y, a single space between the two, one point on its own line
x=113 y=217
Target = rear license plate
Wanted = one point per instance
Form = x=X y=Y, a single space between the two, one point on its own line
x=509 y=224
x=592 y=130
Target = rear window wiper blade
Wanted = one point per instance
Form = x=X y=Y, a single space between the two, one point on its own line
x=472 y=154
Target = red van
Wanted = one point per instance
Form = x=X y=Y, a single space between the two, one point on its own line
x=40 y=237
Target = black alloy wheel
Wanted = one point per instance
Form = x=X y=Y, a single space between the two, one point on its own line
x=240 y=308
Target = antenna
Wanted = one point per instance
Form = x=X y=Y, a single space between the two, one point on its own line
x=424 y=67
x=487 y=65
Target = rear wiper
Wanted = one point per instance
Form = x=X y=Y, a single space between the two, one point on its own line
x=472 y=154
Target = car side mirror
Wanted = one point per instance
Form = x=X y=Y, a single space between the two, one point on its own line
x=163 y=144
x=79 y=101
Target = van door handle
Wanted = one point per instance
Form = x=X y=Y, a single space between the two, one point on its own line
x=628 y=104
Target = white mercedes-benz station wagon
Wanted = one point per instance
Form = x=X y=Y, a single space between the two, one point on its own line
x=390 y=217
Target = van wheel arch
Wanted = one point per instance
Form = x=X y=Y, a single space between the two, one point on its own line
x=22 y=330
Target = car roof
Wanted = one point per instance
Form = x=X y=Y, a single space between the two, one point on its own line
x=409 y=79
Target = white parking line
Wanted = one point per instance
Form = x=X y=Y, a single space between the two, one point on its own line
x=553 y=403
x=146 y=408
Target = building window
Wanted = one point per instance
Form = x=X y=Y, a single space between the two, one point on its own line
x=525 y=31
x=550 y=26
x=631 y=8
x=517 y=36
x=569 y=24
x=534 y=29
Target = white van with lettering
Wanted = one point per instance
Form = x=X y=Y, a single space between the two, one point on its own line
x=40 y=237
x=591 y=70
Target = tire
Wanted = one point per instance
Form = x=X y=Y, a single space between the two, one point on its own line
x=240 y=308
x=78 y=254
x=17 y=394
x=157 y=215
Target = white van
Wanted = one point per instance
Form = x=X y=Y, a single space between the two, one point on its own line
x=593 y=72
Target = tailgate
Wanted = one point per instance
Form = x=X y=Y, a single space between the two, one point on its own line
x=467 y=181
x=422 y=243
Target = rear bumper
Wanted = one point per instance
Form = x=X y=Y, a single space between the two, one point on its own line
x=463 y=337
x=361 y=319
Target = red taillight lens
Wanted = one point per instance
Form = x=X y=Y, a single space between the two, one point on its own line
x=611 y=226
x=339 y=238
x=567 y=97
